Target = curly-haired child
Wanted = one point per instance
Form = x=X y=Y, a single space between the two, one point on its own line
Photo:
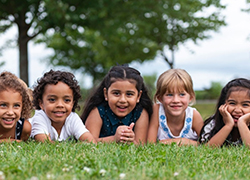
x=55 y=98
x=15 y=108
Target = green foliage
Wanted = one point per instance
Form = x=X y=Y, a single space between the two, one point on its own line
x=149 y=81
x=206 y=108
x=213 y=92
x=94 y=35
x=69 y=160
x=98 y=34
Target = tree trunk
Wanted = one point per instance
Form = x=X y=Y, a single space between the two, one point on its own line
x=168 y=61
x=23 y=61
x=23 y=40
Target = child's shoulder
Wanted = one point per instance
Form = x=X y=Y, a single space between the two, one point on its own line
x=156 y=106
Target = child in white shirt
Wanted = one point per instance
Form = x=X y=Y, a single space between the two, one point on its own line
x=55 y=99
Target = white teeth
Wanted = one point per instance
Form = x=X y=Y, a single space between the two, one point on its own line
x=59 y=112
x=9 y=120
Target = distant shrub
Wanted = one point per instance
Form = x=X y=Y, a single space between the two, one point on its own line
x=210 y=93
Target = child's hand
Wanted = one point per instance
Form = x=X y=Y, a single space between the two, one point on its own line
x=227 y=118
x=128 y=134
x=125 y=134
x=118 y=133
x=245 y=118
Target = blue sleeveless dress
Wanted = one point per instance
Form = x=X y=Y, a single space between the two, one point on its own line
x=111 y=121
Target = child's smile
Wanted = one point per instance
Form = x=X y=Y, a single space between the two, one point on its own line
x=175 y=103
x=57 y=102
x=238 y=104
x=122 y=97
x=10 y=108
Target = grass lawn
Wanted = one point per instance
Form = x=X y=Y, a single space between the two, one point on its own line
x=206 y=108
x=70 y=160
x=116 y=161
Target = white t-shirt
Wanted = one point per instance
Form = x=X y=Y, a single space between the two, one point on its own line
x=72 y=128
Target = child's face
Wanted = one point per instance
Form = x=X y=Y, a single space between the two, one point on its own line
x=57 y=102
x=10 y=108
x=122 y=97
x=175 y=103
x=238 y=104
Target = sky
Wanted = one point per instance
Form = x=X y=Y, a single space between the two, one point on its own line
x=226 y=55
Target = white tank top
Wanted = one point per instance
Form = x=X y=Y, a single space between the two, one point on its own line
x=186 y=132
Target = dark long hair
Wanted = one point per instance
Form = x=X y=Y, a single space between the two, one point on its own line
x=238 y=84
x=116 y=73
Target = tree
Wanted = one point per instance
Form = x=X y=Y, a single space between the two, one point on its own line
x=213 y=92
x=174 y=22
x=32 y=17
x=101 y=35
x=150 y=81
x=94 y=35
x=126 y=31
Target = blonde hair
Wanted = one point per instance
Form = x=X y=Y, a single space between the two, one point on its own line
x=174 y=79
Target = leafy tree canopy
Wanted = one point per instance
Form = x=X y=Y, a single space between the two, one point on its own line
x=94 y=35
x=102 y=33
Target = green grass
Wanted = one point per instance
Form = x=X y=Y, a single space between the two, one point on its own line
x=67 y=161
x=205 y=108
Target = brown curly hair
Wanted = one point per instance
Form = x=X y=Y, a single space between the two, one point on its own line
x=12 y=82
x=53 y=77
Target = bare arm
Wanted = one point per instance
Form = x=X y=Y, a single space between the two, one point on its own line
x=94 y=124
x=219 y=138
x=87 y=136
x=243 y=123
x=42 y=137
x=26 y=130
x=197 y=122
x=140 y=130
x=153 y=125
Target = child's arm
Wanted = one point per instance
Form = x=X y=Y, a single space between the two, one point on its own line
x=139 y=136
x=197 y=122
x=219 y=138
x=243 y=123
x=153 y=125
x=94 y=124
x=26 y=130
x=42 y=137
x=87 y=136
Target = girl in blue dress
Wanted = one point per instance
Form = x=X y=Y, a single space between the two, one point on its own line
x=120 y=108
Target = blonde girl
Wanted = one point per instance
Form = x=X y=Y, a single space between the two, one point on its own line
x=173 y=120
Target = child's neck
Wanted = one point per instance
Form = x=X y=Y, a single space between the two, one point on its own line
x=58 y=127
x=176 y=124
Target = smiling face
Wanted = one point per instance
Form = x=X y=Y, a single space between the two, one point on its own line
x=175 y=103
x=122 y=97
x=57 y=102
x=238 y=104
x=10 y=109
